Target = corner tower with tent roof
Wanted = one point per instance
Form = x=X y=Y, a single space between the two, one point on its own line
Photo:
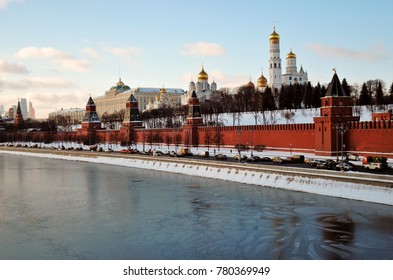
x=193 y=121
x=91 y=123
x=132 y=119
x=335 y=114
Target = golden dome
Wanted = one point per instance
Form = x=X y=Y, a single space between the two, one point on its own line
x=274 y=35
x=262 y=81
x=203 y=75
x=162 y=91
x=120 y=83
x=291 y=54
x=250 y=84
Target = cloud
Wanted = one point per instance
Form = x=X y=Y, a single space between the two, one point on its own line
x=376 y=52
x=12 y=68
x=32 y=83
x=62 y=59
x=202 y=49
x=4 y=3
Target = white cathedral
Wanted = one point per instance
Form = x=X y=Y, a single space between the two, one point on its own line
x=292 y=76
x=202 y=88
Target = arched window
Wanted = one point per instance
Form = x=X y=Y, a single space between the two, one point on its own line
x=275 y=65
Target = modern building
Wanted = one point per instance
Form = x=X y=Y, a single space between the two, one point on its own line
x=23 y=107
x=292 y=75
x=31 y=111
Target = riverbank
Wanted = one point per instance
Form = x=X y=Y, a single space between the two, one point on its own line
x=350 y=185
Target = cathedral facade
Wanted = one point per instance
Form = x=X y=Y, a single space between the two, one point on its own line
x=202 y=88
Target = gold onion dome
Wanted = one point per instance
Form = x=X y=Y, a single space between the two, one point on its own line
x=250 y=84
x=120 y=83
x=262 y=81
x=163 y=91
x=203 y=75
x=274 y=35
x=291 y=54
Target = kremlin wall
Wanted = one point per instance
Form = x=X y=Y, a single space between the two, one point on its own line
x=335 y=129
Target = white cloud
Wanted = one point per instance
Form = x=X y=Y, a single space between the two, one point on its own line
x=32 y=83
x=376 y=52
x=12 y=68
x=4 y=3
x=202 y=49
x=62 y=59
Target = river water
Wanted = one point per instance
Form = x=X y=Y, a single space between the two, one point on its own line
x=58 y=209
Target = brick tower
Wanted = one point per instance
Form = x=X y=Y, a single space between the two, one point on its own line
x=132 y=119
x=193 y=121
x=18 y=119
x=91 y=122
x=336 y=112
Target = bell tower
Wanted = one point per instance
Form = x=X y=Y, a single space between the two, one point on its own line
x=275 y=61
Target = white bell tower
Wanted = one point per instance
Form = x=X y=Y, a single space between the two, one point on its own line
x=275 y=61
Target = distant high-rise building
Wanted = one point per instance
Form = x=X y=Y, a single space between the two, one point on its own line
x=23 y=107
x=1 y=109
x=31 y=111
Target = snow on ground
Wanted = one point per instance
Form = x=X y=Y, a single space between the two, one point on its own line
x=279 y=117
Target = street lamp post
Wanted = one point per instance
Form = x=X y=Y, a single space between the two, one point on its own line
x=342 y=129
x=239 y=131
x=290 y=149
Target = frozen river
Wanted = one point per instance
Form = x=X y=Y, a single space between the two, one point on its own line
x=58 y=209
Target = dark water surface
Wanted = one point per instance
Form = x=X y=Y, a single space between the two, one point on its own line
x=57 y=209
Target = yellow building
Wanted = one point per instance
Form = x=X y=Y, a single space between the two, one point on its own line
x=116 y=97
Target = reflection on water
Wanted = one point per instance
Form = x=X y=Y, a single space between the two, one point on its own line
x=53 y=209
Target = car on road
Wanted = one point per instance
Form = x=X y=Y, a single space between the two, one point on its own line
x=204 y=154
x=241 y=157
x=221 y=157
x=279 y=160
x=344 y=166
x=253 y=159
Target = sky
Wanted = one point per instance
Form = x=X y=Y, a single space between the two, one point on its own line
x=56 y=53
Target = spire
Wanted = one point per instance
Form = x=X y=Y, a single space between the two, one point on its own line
x=335 y=88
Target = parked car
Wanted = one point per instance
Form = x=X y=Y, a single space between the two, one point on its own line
x=350 y=156
x=157 y=153
x=173 y=154
x=344 y=165
x=204 y=154
x=241 y=157
x=221 y=157
x=253 y=159
x=279 y=160
x=265 y=159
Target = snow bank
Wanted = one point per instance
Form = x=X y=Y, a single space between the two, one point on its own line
x=303 y=183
